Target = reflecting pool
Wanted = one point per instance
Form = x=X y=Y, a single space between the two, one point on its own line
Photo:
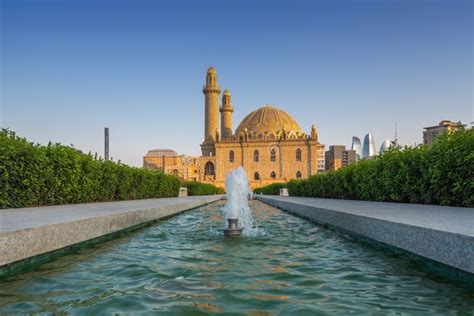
x=184 y=265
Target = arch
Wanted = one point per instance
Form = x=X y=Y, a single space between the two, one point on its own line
x=298 y=154
x=273 y=154
x=209 y=169
x=292 y=135
x=256 y=156
x=273 y=175
x=256 y=176
x=231 y=156
x=298 y=174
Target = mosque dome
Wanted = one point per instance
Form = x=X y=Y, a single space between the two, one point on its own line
x=211 y=70
x=268 y=121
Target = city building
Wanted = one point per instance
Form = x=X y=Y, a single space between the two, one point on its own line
x=268 y=143
x=431 y=132
x=357 y=147
x=338 y=156
x=321 y=158
x=368 y=150
x=169 y=162
x=385 y=146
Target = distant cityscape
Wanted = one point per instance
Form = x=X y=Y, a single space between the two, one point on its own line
x=268 y=143
x=336 y=157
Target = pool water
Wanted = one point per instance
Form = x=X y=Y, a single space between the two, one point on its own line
x=184 y=265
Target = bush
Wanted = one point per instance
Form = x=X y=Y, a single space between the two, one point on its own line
x=442 y=174
x=35 y=175
x=271 y=189
x=199 y=188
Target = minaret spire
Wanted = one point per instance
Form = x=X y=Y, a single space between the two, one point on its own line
x=226 y=115
x=211 y=91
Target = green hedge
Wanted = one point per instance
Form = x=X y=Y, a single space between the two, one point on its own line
x=271 y=189
x=34 y=175
x=442 y=174
x=198 y=188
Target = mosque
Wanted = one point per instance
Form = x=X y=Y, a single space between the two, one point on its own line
x=268 y=143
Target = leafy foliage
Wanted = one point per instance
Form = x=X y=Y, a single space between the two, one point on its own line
x=198 y=188
x=442 y=174
x=35 y=175
x=271 y=189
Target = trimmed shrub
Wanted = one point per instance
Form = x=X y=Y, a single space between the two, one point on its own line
x=271 y=189
x=199 y=188
x=442 y=174
x=35 y=175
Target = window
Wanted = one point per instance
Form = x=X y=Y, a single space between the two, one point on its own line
x=231 y=156
x=273 y=175
x=256 y=157
x=256 y=176
x=298 y=174
x=298 y=154
x=273 y=154
x=209 y=169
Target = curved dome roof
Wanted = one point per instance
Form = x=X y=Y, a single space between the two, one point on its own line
x=268 y=120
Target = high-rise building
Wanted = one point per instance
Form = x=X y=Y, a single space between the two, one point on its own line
x=338 y=156
x=431 y=132
x=357 y=147
x=385 y=146
x=321 y=158
x=368 y=150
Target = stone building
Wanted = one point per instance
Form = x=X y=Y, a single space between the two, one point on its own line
x=268 y=143
x=338 y=156
x=168 y=161
x=431 y=132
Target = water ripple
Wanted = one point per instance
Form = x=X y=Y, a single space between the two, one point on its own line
x=185 y=266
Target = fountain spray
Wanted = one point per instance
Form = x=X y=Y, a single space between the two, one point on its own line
x=236 y=210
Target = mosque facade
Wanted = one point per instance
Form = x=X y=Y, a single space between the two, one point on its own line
x=268 y=143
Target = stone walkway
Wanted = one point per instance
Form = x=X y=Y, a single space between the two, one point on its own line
x=28 y=232
x=440 y=233
x=29 y=217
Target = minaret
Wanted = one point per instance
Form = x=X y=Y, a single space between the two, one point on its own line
x=211 y=91
x=226 y=115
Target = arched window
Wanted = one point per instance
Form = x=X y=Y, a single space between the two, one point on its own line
x=256 y=176
x=256 y=156
x=209 y=169
x=298 y=154
x=273 y=154
x=273 y=175
x=298 y=174
x=231 y=156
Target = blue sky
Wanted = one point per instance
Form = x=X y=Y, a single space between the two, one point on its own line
x=70 y=68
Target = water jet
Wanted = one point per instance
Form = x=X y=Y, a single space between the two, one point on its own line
x=236 y=210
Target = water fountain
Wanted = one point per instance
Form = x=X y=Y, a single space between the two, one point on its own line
x=236 y=210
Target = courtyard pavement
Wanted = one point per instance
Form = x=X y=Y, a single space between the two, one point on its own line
x=440 y=233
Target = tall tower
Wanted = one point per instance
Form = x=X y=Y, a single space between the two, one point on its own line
x=211 y=92
x=226 y=115
x=106 y=143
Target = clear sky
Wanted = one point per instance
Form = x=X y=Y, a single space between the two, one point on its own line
x=70 y=68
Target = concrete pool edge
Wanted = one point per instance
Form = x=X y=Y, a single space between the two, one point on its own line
x=33 y=246
x=451 y=250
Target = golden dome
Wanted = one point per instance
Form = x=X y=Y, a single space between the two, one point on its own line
x=211 y=70
x=226 y=92
x=268 y=121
